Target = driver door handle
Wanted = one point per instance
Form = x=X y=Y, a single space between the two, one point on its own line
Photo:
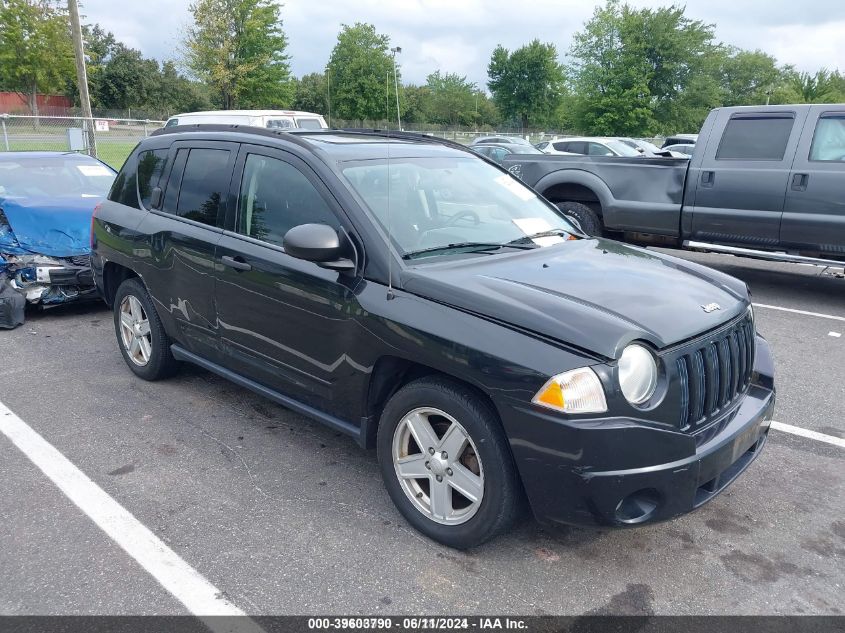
x=235 y=262
x=799 y=181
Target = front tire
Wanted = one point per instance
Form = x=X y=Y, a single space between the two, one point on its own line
x=584 y=216
x=140 y=335
x=446 y=463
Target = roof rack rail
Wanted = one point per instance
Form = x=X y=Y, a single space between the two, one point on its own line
x=295 y=135
x=406 y=135
x=234 y=127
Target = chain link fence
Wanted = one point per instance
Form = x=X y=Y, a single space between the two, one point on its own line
x=113 y=139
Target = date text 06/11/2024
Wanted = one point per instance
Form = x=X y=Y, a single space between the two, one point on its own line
x=418 y=623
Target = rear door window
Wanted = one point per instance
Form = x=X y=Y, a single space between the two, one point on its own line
x=755 y=137
x=203 y=187
x=829 y=138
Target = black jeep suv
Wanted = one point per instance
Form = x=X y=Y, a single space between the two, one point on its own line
x=417 y=297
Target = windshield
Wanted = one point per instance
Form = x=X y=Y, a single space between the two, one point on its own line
x=438 y=202
x=54 y=177
x=621 y=148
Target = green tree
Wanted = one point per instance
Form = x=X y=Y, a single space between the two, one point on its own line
x=640 y=71
x=121 y=78
x=488 y=114
x=237 y=47
x=126 y=80
x=416 y=105
x=527 y=84
x=361 y=70
x=172 y=93
x=312 y=94
x=749 y=77
x=610 y=82
x=35 y=48
x=819 y=87
x=452 y=99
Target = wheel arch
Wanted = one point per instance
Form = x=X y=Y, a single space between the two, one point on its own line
x=115 y=274
x=577 y=186
x=389 y=375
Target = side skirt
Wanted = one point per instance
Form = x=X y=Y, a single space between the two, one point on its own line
x=180 y=353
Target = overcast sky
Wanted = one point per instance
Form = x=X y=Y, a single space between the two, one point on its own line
x=459 y=35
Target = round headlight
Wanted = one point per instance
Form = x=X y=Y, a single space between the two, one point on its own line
x=637 y=374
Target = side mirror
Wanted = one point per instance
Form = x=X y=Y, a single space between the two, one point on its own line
x=317 y=243
x=155 y=198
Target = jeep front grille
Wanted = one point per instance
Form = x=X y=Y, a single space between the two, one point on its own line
x=714 y=372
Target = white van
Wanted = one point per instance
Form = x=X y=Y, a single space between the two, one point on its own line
x=274 y=119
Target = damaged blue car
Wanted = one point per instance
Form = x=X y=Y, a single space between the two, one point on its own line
x=46 y=203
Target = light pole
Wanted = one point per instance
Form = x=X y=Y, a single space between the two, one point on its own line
x=395 y=50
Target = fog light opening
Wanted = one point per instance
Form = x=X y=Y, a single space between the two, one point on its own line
x=638 y=506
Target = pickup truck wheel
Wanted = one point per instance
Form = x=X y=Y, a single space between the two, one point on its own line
x=140 y=334
x=587 y=218
x=446 y=463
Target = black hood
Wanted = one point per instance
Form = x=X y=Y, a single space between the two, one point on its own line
x=595 y=294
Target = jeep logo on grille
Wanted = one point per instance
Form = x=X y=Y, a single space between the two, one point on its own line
x=711 y=307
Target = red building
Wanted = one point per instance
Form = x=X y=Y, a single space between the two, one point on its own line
x=48 y=105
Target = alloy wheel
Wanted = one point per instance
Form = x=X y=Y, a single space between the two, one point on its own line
x=438 y=466
x=135 y=331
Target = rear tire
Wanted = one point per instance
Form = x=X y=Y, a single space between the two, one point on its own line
x=140 y=335
x=588 y=219
x=460 y=499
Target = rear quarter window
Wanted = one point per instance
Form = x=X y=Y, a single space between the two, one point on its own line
x=150 y=167
x=758 y=137
x=124 y=189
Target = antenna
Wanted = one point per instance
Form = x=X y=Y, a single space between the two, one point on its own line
x=390 y=294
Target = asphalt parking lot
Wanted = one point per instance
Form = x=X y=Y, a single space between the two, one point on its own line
x=282 y=515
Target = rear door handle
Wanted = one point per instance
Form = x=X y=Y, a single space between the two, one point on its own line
x=708 y=178
x=235 y=262
x=799 y=181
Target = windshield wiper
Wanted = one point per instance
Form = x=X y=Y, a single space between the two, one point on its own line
x=549 y=233
x=479 y=247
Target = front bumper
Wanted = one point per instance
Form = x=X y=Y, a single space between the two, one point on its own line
x=620 y=471
x=47 y=281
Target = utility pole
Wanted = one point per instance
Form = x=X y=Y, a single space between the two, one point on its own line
x=398 y=49
x=82 y=75
x=329 y=91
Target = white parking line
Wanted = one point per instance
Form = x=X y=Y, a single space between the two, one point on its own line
x=182 y=581
x=804 y=312
x=813 y=435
